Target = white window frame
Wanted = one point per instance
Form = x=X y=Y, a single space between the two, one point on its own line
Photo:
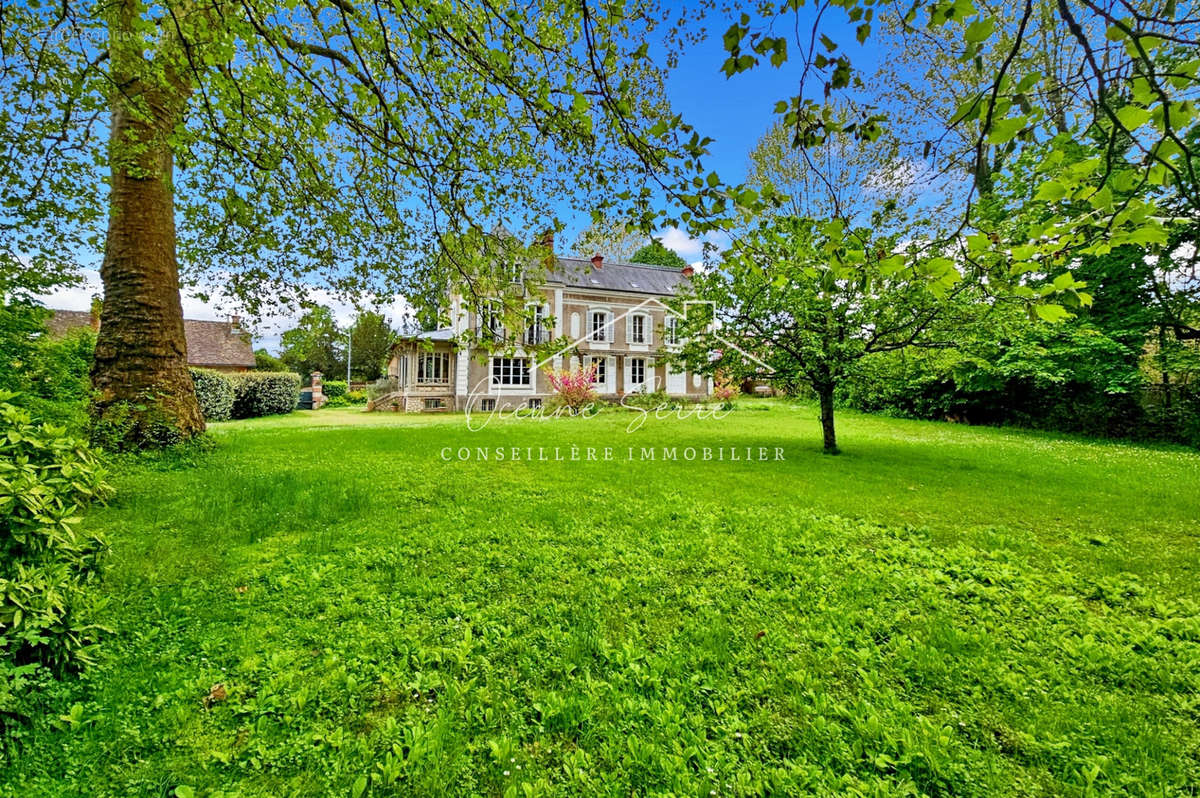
x=505 y=368
x=637 y=336
x=538 y=314
x=604 y=330
x=402 y=370
x=601 y=363
x=491 y=323
x=635 y=384
x=671 y=330
x=433 y=368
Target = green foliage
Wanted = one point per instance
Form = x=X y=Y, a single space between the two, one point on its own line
x=47 y=477
x=144 y=423
x=215 y=392
x=315 y=344
x=60 y=367
x=265 y=361
x=264 y=393
x=21 y=322
x=374 y=624
x=371 y=339
x=656 y=254
x=807 y=299
x=56 y=382
x=347 y=399
x=334 y=389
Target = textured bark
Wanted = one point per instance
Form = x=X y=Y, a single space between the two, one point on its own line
x=141 y=354
x=825 y=392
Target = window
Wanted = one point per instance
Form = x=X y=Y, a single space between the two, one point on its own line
x=535 y=403
x=599 y=326
x=487 y=405
x=510 y=371
x=598 y=363
x=536 y=333
x=490 y=322
x=637 y=372
x=433 y=404
x=637 y=329
x=433 y=367
x=672 y=330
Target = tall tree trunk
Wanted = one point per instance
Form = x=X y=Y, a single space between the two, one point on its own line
x=140 y=372
x=825 y=392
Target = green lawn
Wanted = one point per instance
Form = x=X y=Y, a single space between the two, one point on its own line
x=941 y=610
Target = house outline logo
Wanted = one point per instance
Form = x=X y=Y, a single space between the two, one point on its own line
x=651 y=302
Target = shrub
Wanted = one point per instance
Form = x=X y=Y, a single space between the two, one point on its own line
x=382 y=387
x=348 y=399
x=215 y=393
x=724 y=392
x=334 y=389
x=651 y=401
x=56 y=382
x=265 y=393
x=573 y=389
x=46 y=563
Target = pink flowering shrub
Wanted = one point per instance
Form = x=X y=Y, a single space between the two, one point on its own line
x=725 y=390
x=574 y=389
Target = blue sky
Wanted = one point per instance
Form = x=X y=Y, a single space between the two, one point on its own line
x=738 y=110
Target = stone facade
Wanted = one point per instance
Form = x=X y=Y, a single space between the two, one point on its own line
x=625 y=331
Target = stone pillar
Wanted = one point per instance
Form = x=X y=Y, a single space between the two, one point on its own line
x=318 y=395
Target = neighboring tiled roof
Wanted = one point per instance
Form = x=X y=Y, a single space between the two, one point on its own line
x=209 y=343
x=63 y=321
x=214 y=343
x=638 y=278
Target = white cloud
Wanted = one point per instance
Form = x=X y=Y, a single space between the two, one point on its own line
x=266 y=331
x=690 y=248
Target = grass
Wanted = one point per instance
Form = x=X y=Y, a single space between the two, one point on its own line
x=941 y=610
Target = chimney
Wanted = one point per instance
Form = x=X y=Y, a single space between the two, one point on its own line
x=688 y=270
x=548 y=240
x=235 y=324
x=598 y=261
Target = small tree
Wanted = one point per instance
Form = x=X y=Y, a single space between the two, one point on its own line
x=810 y=299
x=316 y=343
x=371 y=340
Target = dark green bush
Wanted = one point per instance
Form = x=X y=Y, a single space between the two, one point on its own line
x=265 y=393
x=334 y=389
x=46 y=478
x=215 y=393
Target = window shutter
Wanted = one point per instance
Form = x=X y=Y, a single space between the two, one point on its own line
x=574 y=363
x=628 y=328
x=651 y=382
x=627 y=373
x=610 y=375
x=650 y=329
x=574 y=325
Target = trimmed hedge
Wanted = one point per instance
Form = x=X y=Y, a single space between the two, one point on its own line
x=334 y=388
x=265 y=393
x=215 y=393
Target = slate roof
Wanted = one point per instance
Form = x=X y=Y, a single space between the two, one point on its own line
x=638 y=278
x=209 y=343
